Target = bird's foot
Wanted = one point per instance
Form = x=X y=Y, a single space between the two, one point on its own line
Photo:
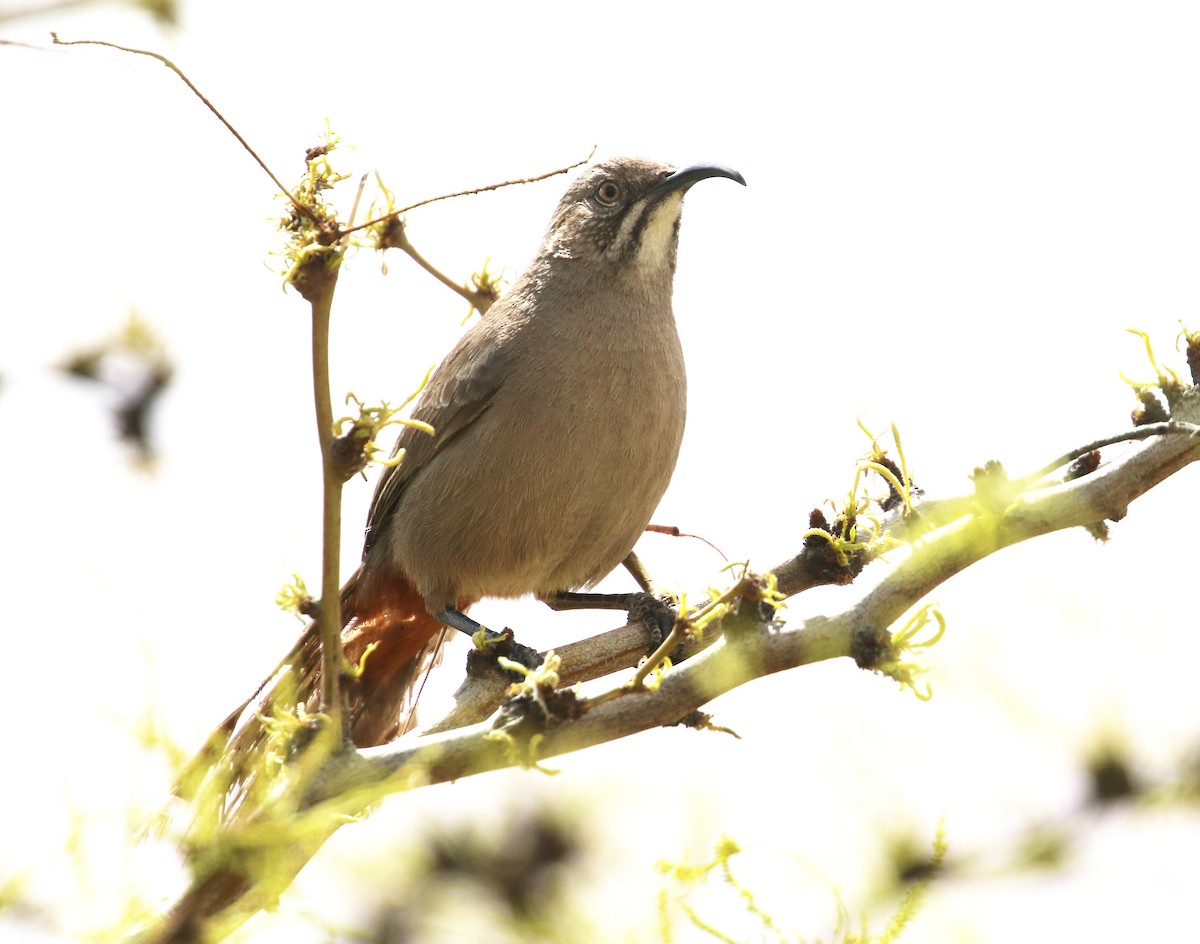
x=489 y=644
x=657 y=614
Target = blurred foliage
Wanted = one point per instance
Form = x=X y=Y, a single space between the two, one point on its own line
x=163 y=12
x=134 y=364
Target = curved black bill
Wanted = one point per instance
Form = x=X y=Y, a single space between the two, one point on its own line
x=684 y=177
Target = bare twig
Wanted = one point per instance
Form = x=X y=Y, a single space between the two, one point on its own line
x=395 y=214
x=673 y=531
x=477 y=300
x=1149 y=431
x=200 y=95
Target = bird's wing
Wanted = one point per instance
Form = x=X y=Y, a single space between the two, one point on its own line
x=459 y=392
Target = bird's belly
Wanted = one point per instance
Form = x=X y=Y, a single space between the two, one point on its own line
x=546 y=508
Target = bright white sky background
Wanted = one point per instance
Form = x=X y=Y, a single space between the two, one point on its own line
x=954 y=210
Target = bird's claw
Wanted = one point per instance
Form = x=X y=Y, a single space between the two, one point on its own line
x=656 y=614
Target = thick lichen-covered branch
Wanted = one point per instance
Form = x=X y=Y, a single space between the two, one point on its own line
x=946 y=538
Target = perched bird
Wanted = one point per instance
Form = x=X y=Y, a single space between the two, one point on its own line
x=558 y=418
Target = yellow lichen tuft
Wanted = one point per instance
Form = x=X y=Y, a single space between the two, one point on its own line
x=906 y=640
x=314 y=235
x=293 y=597
x=486 y=285
x=371 y=420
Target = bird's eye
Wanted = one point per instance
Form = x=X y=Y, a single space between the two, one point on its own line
x=608 y=192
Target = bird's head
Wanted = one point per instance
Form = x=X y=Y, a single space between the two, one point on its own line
x=624 y=213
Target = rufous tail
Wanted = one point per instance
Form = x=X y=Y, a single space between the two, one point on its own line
x=388 y=623
x=387 y=617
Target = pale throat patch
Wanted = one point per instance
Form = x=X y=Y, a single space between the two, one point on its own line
x=658 y=234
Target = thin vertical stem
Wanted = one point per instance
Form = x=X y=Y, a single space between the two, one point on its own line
x=329 y=617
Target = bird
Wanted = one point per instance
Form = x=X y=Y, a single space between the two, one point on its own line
x=557 y=419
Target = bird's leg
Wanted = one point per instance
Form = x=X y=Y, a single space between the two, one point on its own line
x=504 y=643
x=641 y=606
x=456 y=619
x=637 y=570
x=647 y=607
